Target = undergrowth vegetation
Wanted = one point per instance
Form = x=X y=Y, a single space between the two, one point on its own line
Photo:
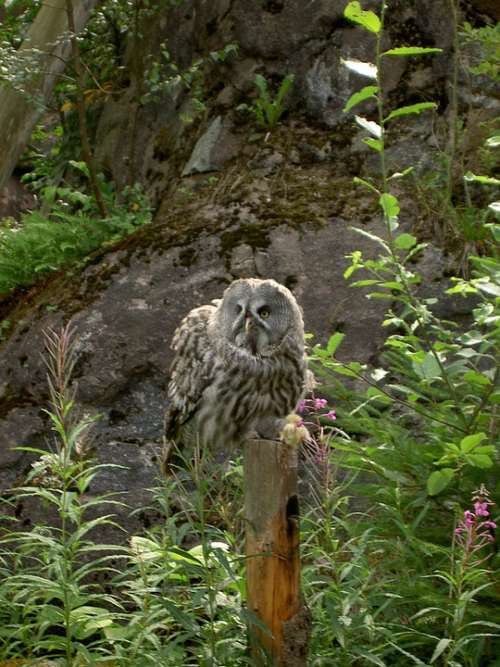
x=399 y=552
x=43 y=243
x=78 y=209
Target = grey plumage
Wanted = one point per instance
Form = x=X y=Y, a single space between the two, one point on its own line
x=238 y=366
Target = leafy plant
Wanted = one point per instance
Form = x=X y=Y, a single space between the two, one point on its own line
x=184 y=604
x=41 y=245
x=163 y=77
x=268 y=111
x=487 y=39
x=421 y=436
x=49 y=606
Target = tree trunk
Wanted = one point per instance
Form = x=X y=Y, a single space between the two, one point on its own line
x=82 y=117
x=18 y=112
x=272 y=551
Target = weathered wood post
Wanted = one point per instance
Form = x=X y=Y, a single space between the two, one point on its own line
x=272 y=555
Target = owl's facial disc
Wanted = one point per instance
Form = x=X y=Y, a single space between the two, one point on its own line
x=251 y=331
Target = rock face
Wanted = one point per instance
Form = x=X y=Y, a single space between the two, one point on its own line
x=152 y=142
x=15 y=199
x=125 y=309
x=231 y=202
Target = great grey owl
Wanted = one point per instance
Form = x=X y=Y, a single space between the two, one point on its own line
x=239 y=366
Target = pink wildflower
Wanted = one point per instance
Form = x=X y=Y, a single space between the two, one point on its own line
x=301 y=406
x=331 y=414
x=469 y=518
x=472 y=533
x=481 y=508
x=319 y=403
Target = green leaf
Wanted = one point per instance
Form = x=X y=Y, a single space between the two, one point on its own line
x=369 y=20
x=485 y=285
x=493 y=142
x=361 y=181
x=428 y=368
x=411 y=51
x=368 y=70
x=476 y=377
x=405 y=241
x=439 y=480
x=365 y=283
x=360 y=96
x=376 y=144
x=370 y=126
x=470 y=441
x=400 y=174
x=485 y=180
x=390 y=207
x=441 y=646
x=392 y=284
x=494 y=230
x=80 y=166
x=413 y=108
x=374 y=393
x=381 y=295
x=482 y=461
x=350 y=370
x=334 y=342
x=372 y=237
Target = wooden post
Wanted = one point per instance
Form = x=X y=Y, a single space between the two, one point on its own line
x=272 y=551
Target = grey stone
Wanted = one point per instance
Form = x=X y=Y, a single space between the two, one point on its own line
x=243 y=263
x=214 y=149
x=18 y=428
x=431 y=264
x=200 y=160
x=15 y=199
x=266 y=162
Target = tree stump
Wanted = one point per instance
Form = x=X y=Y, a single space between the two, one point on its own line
x=272 y=555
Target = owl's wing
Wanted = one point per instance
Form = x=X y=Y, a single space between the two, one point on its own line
x=191 y=370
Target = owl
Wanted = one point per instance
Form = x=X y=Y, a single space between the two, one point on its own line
x=239 y=367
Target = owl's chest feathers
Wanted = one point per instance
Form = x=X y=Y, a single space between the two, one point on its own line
x=245 y=389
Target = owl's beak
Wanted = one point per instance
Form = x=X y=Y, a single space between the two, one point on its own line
x=251 y=333
x=249 y=324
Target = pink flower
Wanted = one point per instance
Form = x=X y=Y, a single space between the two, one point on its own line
x=471 y=533
x=481 y=508
x=319 y=403
x=331 y=414
x=301 y=406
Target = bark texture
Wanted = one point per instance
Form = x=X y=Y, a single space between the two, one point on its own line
x=272 y=551
x=18 y=112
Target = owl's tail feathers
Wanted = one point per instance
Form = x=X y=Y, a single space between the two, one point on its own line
x=310 y=381
x=170 y=426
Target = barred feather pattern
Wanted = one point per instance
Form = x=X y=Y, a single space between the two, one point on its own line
x=218 y=390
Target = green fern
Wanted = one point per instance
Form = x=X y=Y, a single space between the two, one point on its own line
x=41 y=245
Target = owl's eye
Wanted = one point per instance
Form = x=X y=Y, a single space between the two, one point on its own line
x=238 y=309
x=264 y=312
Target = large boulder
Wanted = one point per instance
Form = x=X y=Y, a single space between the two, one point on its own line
x=126 y=304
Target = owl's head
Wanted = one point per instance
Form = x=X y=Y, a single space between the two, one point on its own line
x=256 y=315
